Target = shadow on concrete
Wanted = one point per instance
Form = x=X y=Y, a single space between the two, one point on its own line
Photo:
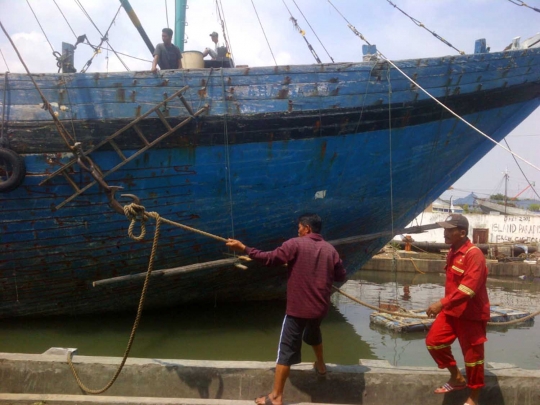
x=199 y=380
x=346 y=387
x=491 y=394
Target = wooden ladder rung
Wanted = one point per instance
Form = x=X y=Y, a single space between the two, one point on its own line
x=163 y=119
x=141 y=135
x=117 y=149
x=186 y=104
x=70 y=181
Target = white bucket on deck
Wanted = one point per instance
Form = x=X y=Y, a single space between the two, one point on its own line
x=192 y=60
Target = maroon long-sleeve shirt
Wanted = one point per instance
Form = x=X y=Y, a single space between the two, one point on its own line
x=313 y=265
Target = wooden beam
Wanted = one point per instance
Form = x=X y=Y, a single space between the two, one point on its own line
x=169 y=272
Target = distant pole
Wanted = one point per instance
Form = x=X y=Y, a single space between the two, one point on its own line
x=505 y=189
x=180 y=23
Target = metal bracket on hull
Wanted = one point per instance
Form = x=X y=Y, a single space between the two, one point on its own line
x=85 y=162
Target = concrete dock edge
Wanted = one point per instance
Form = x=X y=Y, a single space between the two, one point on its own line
x=370 y=382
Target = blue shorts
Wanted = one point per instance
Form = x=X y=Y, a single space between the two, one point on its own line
x=295 y=330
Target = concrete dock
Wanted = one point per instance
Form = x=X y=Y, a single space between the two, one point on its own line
x=411 y=262
x=46 y=379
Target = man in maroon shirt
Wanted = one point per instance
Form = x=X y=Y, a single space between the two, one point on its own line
x=462 y=313
x=313 y=265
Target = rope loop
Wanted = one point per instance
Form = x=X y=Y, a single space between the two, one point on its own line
x=134 y=213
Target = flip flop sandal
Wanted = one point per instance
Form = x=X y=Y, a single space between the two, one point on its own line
x=446 y=388
x=267 y=400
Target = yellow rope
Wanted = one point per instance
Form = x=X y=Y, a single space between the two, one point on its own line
x=417 y=269
x=402 y=314
x=410 y=315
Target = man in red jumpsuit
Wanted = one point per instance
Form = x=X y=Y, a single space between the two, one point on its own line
x=462 y=313
x=313 y=265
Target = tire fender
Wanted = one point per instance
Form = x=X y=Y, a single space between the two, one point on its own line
x=12 y=170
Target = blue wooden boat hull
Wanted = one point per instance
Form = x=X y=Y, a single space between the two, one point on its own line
x=356 y=143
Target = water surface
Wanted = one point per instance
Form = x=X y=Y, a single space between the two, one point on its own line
x=250 y=331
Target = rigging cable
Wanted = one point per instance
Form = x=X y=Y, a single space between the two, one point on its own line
x=379 y=53
x=42 y=30
x=2 y=53
x=103 y=37
x=67 y=22
x=166 y=14
x=221 y=14
x=421 y=25
x=391 y=172
x=260 y=23
x=522 y=3
x=521 y=170
x=303 y=33
x=332 y=59
x=92 y=46
x=228 y=181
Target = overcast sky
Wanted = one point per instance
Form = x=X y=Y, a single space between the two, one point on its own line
x=460 y=22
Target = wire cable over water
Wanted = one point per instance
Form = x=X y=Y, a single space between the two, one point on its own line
x=381 y=55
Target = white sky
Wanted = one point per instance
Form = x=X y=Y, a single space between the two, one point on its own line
x=460 y=22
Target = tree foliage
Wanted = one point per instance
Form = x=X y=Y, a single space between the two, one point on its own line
x=497 y=197
x=534 y=207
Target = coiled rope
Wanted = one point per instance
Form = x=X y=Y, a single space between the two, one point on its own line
x=412 y=315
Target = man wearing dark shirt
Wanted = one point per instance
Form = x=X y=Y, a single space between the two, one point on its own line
x=313 y=265
x=166 y=54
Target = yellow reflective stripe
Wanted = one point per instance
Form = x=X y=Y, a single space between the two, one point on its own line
x=458 y=269
x=471 y=248
x=437 y=347
x=466 y=290
x=476 y=363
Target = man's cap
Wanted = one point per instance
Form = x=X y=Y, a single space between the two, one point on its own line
x=213 y=34
x=455 y=221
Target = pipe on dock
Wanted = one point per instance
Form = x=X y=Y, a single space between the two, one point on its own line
x=432 y=247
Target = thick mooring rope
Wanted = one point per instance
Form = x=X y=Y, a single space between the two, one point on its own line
x=412 y=315
x=141 y=301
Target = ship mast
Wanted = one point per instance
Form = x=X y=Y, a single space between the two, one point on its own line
x=180 y=23
x=136 y=22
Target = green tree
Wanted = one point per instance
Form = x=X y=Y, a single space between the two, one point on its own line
x=497 y=197
x=534 y=207
x=465 y=208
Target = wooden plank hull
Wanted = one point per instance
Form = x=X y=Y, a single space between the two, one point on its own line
x=274 y=143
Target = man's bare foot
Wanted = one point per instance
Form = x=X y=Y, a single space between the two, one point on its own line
x=319 y=369
x=268 y=400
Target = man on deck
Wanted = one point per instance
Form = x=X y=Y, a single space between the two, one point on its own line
x=313 y=265
x=212 y=52
x=167 y=55
x=462 y=313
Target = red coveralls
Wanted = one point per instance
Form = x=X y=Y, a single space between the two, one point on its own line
x=464 y=315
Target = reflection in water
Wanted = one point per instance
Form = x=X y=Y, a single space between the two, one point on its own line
x=517 y=344
x=239 y=331
x=250 y=331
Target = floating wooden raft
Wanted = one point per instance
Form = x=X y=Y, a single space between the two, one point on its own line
x=402 y=324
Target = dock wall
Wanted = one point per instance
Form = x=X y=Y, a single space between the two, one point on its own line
x=411 y=264
x=47 y=378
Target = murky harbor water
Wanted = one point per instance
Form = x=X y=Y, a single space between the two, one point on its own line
x=250 y=331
